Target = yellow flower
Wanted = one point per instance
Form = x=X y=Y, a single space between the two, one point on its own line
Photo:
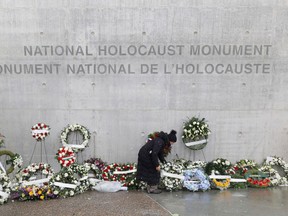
x=31 y=193
x=42 y=197
x=39 y=192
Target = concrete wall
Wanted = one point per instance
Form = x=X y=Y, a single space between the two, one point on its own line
x=247 y=112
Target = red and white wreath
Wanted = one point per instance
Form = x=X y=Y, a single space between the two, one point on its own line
x=40 y=131
x=66 y=156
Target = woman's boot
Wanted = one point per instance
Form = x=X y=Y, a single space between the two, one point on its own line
x=153 y=189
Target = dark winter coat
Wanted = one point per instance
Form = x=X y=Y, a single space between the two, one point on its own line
x=148 y=159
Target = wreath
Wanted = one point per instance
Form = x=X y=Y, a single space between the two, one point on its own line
x=219 y=166
x=195 y=180
x=256 y=178
x=5 y=184
x=65 y=156
x=15 y=160
x=33 y=192
x=221 y=184
x=274 y=176
x=30 y=172
x=172 y=176
x=277 y=162
x=195 y=133
x=70 y=181
x=242 y=166
x=40 y=131
x=196 y=164
x=124 y=173
x=95 y=167
x=75 y=127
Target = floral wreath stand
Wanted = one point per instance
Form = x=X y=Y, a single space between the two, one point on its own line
x=196 y=146
x=39 y=132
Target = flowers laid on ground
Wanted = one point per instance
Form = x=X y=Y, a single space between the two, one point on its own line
x=40 y=131
x=5 y=185
x=261 y=183
x=172 y=176
x=65 y=156
x=238 y=184
x=277 y=162
x=242 y=166
x=256 y=178
x=221 y=184
x=195 y=129
x=95 y=166
x=274 y=177
x=16 y=161
x=195 y=180
x=71 y=128
x=30 y=172
x=124 y=173
x=32 y=192
x=220 y=166
x=196 y=164
x=70 y=181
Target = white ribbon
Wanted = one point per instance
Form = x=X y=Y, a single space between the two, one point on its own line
x=1 y=166
x=67 y=158
x=84 y=178
x=34 y=132
x=238 y=180
x=219 y=177
x=91 y=175
x=37 y=182
x=196 y=142
x=65 y=185
x=171 y=175
x=4 y=195
x=74 y=146
x=124 y=172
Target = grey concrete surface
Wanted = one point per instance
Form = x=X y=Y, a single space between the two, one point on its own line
x=244 y=202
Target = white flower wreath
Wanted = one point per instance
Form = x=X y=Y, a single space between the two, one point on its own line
x=196 y=164
x=27 y=174
x=172 y=176
x=274 y=176
x=66 y=184
x=75 y=127
x=277 y=161
x=5 y=187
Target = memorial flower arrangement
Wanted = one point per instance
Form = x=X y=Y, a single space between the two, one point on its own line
x=259 y=183
x=174 y=181
x=65 y=156
x=222 y=185
x=124 y=173
x=16 y=161
x=33 y=192
x=95 y=166
x=277 y=161
x=274 y=176
x=40 y=131
x=5 y=185
x=75 y=127
x=26 y=173
x=70 y=181
x=195 y=129
x=195 y=180
x=220 y=166
x=196 y=164
x=242 y=166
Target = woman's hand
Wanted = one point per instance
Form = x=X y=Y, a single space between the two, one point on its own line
x=158 y=168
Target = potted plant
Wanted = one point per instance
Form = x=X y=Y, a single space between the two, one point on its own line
x=195 y=133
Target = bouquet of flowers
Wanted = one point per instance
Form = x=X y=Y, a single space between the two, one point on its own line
x=173 y=178
x=33 y=192
x=219 y=166
x=195 y=129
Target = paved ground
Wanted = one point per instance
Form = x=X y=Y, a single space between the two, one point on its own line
x=246 y=202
